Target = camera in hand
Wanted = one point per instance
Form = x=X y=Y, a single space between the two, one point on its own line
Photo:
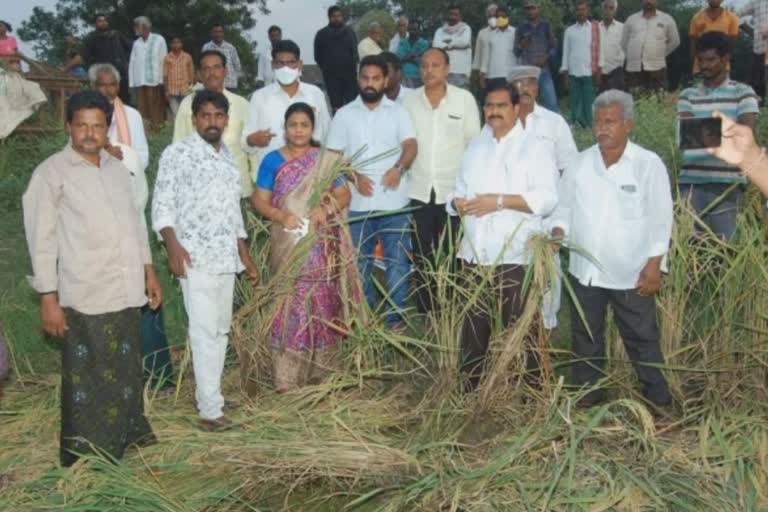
x=700 y=132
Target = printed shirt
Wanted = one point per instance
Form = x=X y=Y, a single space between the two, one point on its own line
x=442 y=133
x=233 y=61
x=647 y=41
x=460 y=54
x=611 y=54
x=619 y=217
x=266 y=111
x=83 y=232
x=499 y=53
x=577 y=50
x=727 y=23
x=374 y=138
x=733 y=99
x=197 y=193
x=515 y=164
x=147 y=57
x=178 y=73
x=412 y=69
x=238 y=110
x=542 y=43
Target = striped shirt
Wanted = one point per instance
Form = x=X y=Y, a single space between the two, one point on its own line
x=178 y=73
x=233 y=61
x=733 y=99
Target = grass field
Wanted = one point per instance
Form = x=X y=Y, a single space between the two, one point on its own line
x=390 y=431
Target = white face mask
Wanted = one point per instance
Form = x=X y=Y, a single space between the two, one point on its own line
x=492 y=22
x=286 y=75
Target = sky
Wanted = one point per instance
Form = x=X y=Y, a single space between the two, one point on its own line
x=301 y=28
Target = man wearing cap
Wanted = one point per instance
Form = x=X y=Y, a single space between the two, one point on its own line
x=552 y=131
x=535 y=44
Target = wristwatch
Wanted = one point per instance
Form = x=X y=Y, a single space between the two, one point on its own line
x=499 y=202
x=401 y=168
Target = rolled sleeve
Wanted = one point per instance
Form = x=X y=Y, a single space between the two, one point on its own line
x=405 y=129
x=337 y=137
x=541 y=195
x=659 y=205
x=39 y=205
x=460 y=187
x=163 y=204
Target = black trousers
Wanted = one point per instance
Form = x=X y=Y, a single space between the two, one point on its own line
x=506 y=284
x=636 y=319
x=341 y=88
x=614 y=80
x=430 y=221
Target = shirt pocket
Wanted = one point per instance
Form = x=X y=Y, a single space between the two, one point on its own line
x=454 y=126
x=630 y=202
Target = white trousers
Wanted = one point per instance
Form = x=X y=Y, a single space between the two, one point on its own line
x=208 y=301
x=550 y=305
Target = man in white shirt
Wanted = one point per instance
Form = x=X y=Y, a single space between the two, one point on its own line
x=196 y=209
x=758 y=11
x=482 y=38
x=395 y=89
x=212 y=67
x=611 y=55
x=506 y=186
x=402 y=33
x=370 y=44
x=455 y=37
x=446 y=119
x=580 y=64
x=649 y=36
x=550 y=129
x=499 y=53
x=234 y=68
x=265 y=74
x=367 y=128
x=145 y=72
x=264 y=128
x=616 y=207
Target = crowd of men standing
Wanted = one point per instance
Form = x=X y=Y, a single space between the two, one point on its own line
x=421 y=164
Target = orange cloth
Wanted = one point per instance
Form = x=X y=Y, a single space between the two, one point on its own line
x=121 y=122
x=727 y=23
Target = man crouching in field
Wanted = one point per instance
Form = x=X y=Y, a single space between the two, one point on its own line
x=93 y=270
x=615 y=204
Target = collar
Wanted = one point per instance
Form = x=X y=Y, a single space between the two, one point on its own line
x=629 y=154
x=75 y=158
x=608 y=25
x=198 y=141
x=512 y=135
x=385 y=103
x=703 y=89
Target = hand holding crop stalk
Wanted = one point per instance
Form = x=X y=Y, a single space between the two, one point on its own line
x=738 y=147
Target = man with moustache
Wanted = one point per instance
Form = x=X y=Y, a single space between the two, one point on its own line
x=616 y=207
x=212 y=68
x=648 y=38
x=552 y=130
x=234 y=68
x=499 y=52
x=145 y=72
x=713 y=18
x=369 y=127
x=196 y=210
x=446 y=120
x=92 y=267
x=507 y=184
x=336 y=54
x=715 y=188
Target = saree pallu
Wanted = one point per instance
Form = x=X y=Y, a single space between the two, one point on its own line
x=311 y=318
x=102 y=404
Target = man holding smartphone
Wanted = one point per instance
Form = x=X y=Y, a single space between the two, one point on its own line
x=704 y=178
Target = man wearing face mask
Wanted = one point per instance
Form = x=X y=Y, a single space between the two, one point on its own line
x=369 y=127
x=263 y=130
x=482 y=38
x=499 y=54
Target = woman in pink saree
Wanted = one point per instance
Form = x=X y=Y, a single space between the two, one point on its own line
x=298 y=191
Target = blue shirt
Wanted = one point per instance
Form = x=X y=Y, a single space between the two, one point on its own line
x=412 y=68
x=733 y=99
x=268 y=170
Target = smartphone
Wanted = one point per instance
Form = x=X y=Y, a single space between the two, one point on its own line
x=700 y=132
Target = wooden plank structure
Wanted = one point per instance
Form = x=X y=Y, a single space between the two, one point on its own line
x=56 y=85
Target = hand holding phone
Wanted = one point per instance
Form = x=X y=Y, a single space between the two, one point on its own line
x=700 y=132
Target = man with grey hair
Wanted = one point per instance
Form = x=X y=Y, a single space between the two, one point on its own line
x=402 y=32
x=145 y=72
x=482 y=38
x=370 y=45
x=616 y=206
x=611 y=60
